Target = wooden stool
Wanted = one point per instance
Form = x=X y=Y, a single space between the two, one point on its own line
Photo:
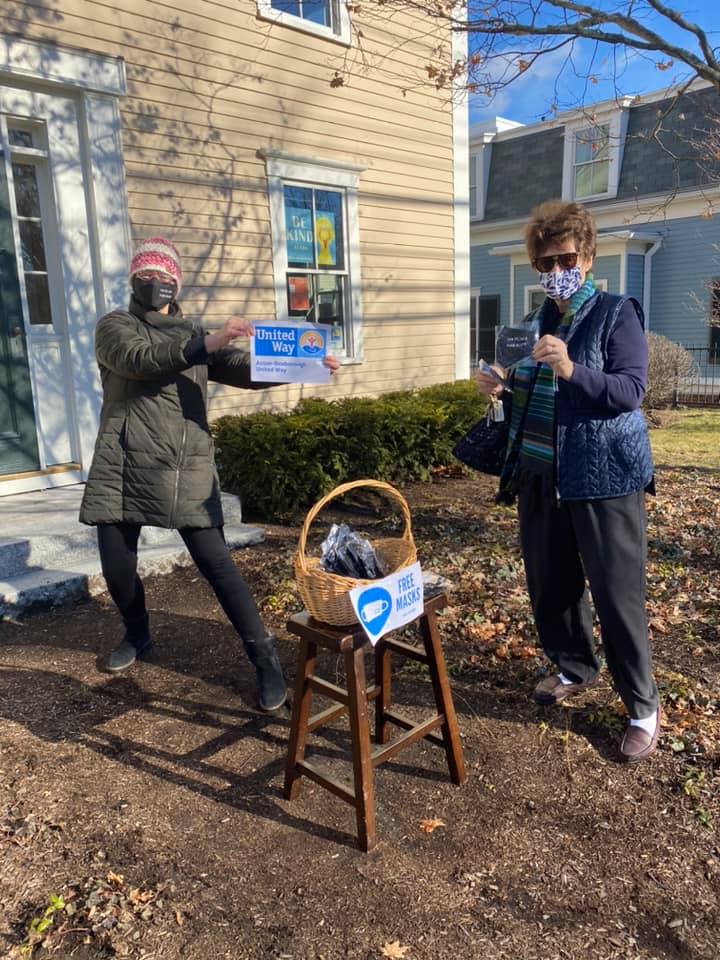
x=352 y=643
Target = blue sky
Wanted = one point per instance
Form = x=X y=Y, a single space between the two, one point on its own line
x=555 y=80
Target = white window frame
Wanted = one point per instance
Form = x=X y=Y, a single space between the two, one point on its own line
x=617 y=128
x=480 y=152
x=311 y=172
x=531 y=288
x=339 y=32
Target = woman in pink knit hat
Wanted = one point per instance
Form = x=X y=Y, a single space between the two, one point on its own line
x=154 y=461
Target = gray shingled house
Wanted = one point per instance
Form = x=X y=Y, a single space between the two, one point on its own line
x=649 y=177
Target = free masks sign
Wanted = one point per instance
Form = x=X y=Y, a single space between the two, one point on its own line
x=389 y=603
x=289 y=353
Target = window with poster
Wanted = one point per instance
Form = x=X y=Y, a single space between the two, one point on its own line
x=316 y=248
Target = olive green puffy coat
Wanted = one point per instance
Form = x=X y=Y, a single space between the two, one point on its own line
x=153 y=462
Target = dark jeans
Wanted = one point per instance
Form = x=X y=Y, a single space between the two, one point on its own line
x=605 y=540
x=118 y=555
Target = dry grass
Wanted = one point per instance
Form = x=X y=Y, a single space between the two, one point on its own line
x=689 y=438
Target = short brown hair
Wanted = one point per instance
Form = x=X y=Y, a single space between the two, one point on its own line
x=558 y=221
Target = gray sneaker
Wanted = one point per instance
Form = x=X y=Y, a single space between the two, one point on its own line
x=124 y=655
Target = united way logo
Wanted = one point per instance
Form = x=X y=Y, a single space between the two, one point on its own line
x=311 y=343
x=374 y=607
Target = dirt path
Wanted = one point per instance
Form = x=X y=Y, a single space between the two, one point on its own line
x=152 y=803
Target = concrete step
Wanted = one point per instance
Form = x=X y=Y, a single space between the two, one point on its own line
x=47 y=557
x=81 y=576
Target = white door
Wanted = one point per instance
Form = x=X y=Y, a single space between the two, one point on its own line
x=43 y=167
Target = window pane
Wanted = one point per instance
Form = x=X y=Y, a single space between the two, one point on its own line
x=38 y=296
x=299 y=227
x=473 y=329
x=537 y=298
x=592 y=143
x=583 y=146
x=319 y=298
x=31 y=242
x=600 y=172
x=20 y=138
x=316 y=10
x=329 y=229
x=583 y=181
x=27 y=197
x=300 y=295
x=488 y=315
x=330 y=299
x=287 y=6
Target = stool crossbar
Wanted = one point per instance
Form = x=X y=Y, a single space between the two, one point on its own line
x=440 y=729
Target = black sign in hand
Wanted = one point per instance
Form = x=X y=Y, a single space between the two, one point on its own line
x=514 y=345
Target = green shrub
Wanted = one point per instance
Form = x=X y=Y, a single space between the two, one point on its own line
x=281 y=462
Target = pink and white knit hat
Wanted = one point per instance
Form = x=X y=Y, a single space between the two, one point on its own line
x=157 y=253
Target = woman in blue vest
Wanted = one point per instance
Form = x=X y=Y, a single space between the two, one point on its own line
x=579 y=463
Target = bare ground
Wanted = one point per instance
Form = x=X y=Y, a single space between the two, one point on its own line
x=152 y=802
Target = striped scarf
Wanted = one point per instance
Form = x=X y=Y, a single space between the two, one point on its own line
x=534 y=387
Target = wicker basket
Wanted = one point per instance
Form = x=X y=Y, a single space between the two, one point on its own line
x=327 y=595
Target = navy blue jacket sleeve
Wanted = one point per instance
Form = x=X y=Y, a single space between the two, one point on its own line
x=620 y=385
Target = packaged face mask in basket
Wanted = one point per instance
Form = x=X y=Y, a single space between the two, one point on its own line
x=347 y=554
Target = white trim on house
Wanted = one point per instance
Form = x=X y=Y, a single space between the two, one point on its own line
x=647 y=280
x=657 y=210
x=76 y=97
x=339 y=32
x=586 y=114
x=33 y=60
x=480 y=157
x=609 y=244
x=283 y=167
x=110 y=234
x=461 y=220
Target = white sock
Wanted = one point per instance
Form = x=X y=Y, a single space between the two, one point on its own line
x=648 y=724
x=564 y=680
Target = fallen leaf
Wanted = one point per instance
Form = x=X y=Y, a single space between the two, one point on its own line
x=427 y=826
x=394 y=950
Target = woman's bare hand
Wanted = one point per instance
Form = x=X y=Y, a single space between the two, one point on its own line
x=234 y=327
x=553 y=351
x=488 y=385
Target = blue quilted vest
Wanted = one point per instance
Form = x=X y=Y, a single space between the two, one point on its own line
x=598 y=456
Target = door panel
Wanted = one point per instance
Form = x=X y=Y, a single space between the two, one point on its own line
x=18 y=437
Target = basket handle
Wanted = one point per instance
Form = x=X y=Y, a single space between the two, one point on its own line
x=338 y=492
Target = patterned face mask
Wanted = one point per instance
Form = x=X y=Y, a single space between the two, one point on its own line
x=561 y=284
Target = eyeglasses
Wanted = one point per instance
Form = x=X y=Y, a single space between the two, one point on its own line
x=545 y=264
x=154 y=275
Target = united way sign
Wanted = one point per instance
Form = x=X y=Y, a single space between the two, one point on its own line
x=387 y=604
x=289 y=353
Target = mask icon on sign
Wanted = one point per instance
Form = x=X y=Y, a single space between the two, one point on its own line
x=373 y=610
x=374 y=607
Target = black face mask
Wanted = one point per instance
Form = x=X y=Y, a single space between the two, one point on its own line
x=154 y=294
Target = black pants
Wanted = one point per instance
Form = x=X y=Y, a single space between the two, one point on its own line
x=118 y=556
x=607 y=541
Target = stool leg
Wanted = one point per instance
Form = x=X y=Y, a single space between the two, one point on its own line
x=443 y=697
x=302 y=698
x=384 y=700
x=360 y=737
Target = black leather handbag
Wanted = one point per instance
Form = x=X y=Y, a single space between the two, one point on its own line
x=484 y=446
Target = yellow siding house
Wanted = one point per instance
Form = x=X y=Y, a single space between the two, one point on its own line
x=286 y=146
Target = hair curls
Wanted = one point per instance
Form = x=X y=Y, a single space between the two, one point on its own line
x=557 y=221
